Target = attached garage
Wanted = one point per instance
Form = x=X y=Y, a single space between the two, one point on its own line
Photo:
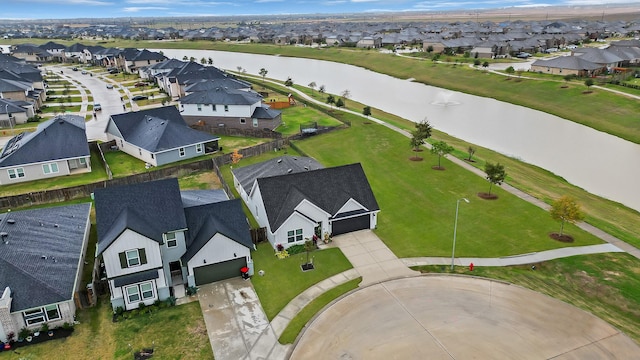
x=351 y=224
x=219 y=271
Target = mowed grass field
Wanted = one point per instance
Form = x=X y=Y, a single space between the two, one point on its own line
x=418 y=203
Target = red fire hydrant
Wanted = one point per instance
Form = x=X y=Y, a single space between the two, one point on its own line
x=471 y=267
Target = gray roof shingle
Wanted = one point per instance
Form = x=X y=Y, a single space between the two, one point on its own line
x=150 y=208
x=62 y=137
x=40 y=261
x=246 y=175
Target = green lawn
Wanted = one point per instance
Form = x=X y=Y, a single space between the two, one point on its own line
x=305 y=315
x=174 y=333
x=418 y=203
x=294 y=116
x=283 y=279
x=231 y=143
x=606 y=285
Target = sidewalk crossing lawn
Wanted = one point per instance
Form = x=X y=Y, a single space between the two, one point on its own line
x=418 y=203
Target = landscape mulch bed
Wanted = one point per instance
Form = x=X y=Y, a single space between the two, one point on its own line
x=487 y=196
x=57 y=334
x=562 y=238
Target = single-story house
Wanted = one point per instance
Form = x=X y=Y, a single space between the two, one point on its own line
x=57 y=147
x=567 y=65
x=158 y=136
x=151 y=245
x=300 y=204
x=41 y=259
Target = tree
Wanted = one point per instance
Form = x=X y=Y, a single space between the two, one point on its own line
x=312 y=85
x=588 y=83
x=495 y=174
x=192 y=59
x=339 y=103
x=430 y=49
x=476 y=62
x=203 y=61
x=239 y=68
x=510 y=70
x=471 y=150
x=485 y=64
x=331 y=100
x=416 y=141
x=566 y=209
x=288 y=82
x=441 y=149
x=263 y=72
x=567 y=78
x=185 y=58
x=210 y=60
x=366 y=111
x=321 y=89
x=346 y=95
x=309 y=246
x=424 y=129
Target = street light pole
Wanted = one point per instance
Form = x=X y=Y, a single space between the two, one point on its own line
x=455 y=228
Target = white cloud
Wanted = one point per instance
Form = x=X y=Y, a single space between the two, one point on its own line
x=143 y=8
x=75 y=2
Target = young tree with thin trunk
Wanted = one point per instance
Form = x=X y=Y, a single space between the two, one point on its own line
x=495 y=174
x=566 y=209
x=331 y=100
x=339 y=103
x=346 y=95
x=263 y=72
x=312 y=85
x=588 y=83
x=471 y=150
x=416 y=141
x=366 y=111
x=441 y=149
x=288 y=82
x=322 y=89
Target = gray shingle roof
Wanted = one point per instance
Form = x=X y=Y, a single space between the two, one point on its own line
x=568 y=62
x=222 y=96
x=40 y=262
x=265 y=112
x=202 y=197
x=62 y=137
x=226 y=218
x=150 y=208
x=328 y=189
x=157 y=130
x=246 y=175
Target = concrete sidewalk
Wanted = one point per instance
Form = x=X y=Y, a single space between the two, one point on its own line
x=523 y=259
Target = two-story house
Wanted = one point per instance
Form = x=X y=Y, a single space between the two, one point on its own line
x=151 y=244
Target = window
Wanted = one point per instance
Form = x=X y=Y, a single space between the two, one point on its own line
x=133 y=258
x=213 y=107
x=82 y=161
x=171 y=240
x=199 y=107
x=146 y=290
x=226 y=108
x=181 y=151
x=198 y=148
x=243 y=121
x=50 y=168
x=40 y=315
x=294 y=235
x=16 y=173
x=255 y=122
x=139 y=292
x=133 y=294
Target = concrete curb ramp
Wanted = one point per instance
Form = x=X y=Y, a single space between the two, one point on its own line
x=458 y=317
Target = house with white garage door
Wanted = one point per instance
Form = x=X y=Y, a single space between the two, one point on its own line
x=151 y=245
x=299 y=204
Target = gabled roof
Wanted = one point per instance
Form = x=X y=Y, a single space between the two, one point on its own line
x=52 y=46
x=329 y=189
x=226 y=218
x=568 y=62
x=40 y=261
x=212 y=84
x=598 y=56
x=265 y=113
x=151 y=209
x=159 y=129
x=222 y=96
x=145 y=55
x=247 y=175
x=202 y=197
x=7 y=85
x=11 y=106
x=62 y=137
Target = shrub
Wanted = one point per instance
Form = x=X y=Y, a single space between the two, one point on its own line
x=142 y=307
x=119 y=310
x=67 y=326
x=191 y=290
x=24 y=332
x=295 y=249
x=171 y=301
x=44 y=328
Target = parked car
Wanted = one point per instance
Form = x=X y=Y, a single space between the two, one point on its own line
x=139 y=97
x=74 y=68
x=523 y=55
x=84 y=72
x=97 y=107
x=109 y=86
x=113 y=71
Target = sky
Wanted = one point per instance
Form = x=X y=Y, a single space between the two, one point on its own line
x=72 y=9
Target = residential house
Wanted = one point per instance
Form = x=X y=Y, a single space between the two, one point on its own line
x=58 y=147
x=56 y=50
x=226 y=107
x=602 y=57
x=133 y=59
x=372 y=42
x=158 y=136
x=31 y=53
x=151 y=244
x=41 y=260
x=567 y=65
x=14 y=112
x=302 y=203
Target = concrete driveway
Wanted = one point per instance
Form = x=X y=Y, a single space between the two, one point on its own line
x=237 y=326
x=455 y=317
